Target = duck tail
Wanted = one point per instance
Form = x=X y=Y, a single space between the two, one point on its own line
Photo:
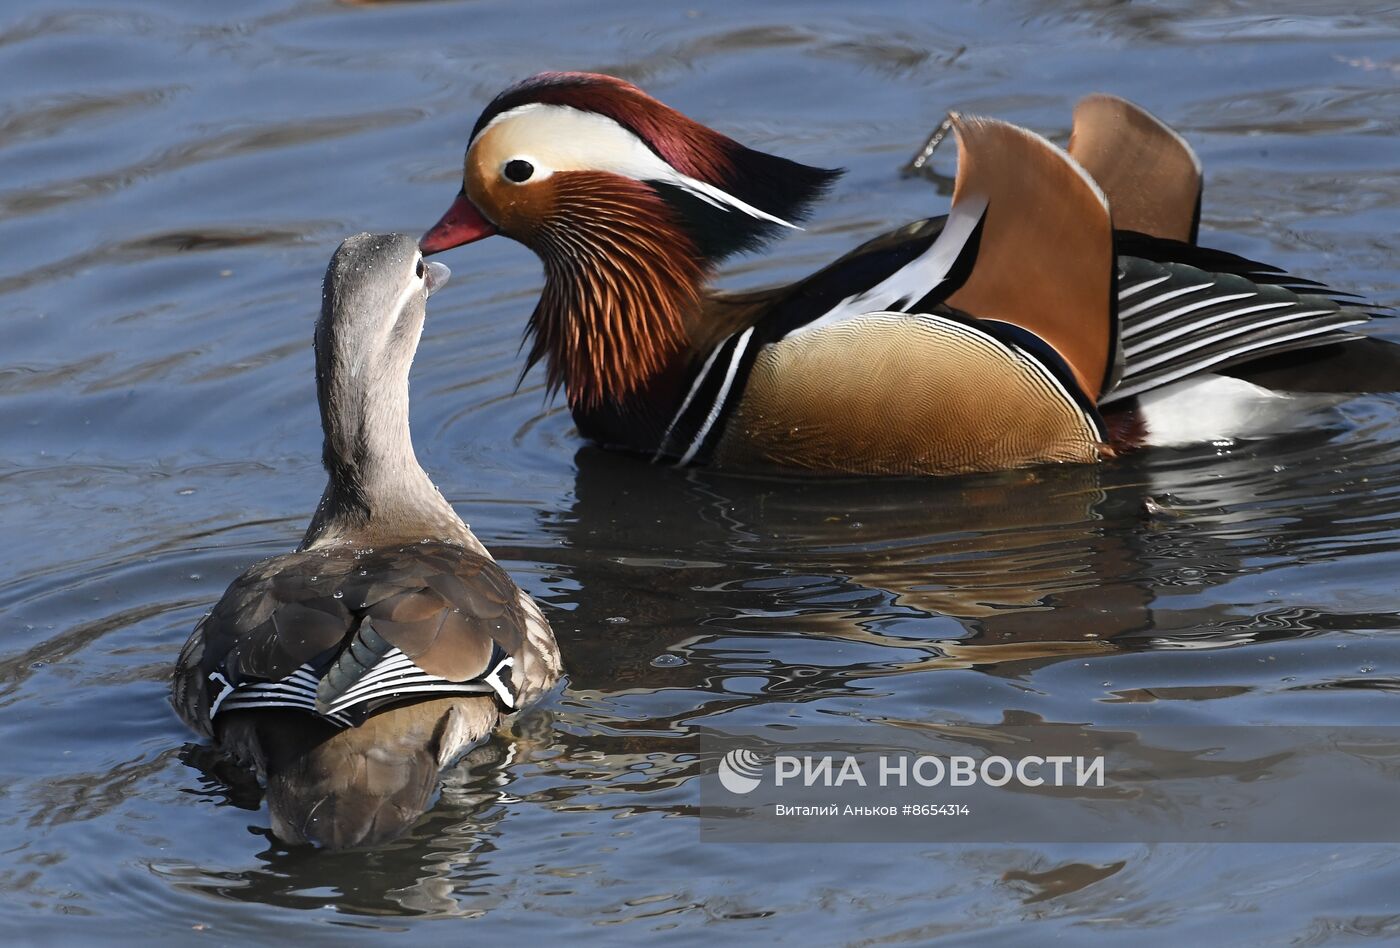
x=339 y=797
x=365 y=785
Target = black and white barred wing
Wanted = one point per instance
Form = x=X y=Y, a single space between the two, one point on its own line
x=341 y=636
x=1179 y=318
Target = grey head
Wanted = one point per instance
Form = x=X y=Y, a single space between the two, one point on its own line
x=373 y=304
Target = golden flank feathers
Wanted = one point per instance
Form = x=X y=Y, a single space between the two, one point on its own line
x=1150 y=174
x=1045 y=261
x=890 y=393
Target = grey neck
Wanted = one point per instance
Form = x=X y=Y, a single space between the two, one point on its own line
x=376 y=492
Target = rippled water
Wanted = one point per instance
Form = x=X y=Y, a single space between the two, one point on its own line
x=173 y=177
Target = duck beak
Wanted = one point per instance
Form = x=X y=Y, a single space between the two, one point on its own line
x=462 y=224
x=435 y=278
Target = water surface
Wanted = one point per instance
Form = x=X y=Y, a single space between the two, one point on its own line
x=173 y=177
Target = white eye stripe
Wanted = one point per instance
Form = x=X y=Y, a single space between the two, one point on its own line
x=557 y=138
x=713 y=195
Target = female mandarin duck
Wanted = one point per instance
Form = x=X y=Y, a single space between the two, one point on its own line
x=1059 y=311
x=349 y=672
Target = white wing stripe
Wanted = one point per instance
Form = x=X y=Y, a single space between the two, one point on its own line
x=394 y=663
x=720 y=397
x=494 y=680
x=1162 y=298
x=420 y=681
x=394 y=674
x=917 y=278
x=713 y=195
x=1212 y=340
x=271 y=703
x=272 y=688
x=415 y=684
x=257 y=697
x=1139 y=328
x=222 y=695
x=361 y=691
x=1185 y=330
x=689 y=397
x=1138 y=288
x=1193 y=367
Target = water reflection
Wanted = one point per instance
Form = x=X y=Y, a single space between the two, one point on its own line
x=1025 y=567
x=440 y=868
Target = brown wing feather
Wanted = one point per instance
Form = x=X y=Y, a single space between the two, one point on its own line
x=1150 y=174
x=1045 y=261
x=441 y=604
x=246 y=636
x=448 y=635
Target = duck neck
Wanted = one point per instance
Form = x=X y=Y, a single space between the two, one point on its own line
x=376 y=491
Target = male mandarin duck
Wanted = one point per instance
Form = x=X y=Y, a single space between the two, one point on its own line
x=350 y=672
x=1060 y=311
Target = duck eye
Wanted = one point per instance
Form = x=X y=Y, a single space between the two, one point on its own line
x=420 y=268
x=518 y=170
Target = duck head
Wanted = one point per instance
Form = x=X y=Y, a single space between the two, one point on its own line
x=630 y=205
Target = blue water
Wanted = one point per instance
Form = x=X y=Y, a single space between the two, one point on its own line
x=173 y=178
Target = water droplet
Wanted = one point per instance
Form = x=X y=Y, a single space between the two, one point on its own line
x=314 y=578
x=337 y=594
x=667 y=660
x=196 y=576
x=616 y=620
